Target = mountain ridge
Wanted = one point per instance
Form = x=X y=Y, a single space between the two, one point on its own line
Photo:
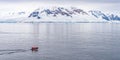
x=61 y=11
x=59 y=14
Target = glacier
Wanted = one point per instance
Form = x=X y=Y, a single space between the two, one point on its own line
x=59 y=14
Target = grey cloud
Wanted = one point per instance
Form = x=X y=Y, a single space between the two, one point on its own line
x=94 y=1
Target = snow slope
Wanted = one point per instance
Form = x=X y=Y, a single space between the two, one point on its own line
x=59 y=14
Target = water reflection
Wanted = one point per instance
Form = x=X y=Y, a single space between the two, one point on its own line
x=35 y=39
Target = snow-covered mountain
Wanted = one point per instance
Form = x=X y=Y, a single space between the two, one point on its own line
x=72 y=13
x=62 y=14
x=108 y=17
x=55 y=12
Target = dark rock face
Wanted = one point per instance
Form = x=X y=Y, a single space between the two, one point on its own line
x=108 y=17
x=114 y=17
x=35 y=14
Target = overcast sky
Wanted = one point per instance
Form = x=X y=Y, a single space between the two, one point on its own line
x=99 y=1
x=84 y=4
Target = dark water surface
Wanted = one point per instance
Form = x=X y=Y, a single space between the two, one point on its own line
x=60 y=41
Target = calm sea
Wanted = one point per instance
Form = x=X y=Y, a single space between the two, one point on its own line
x=60 y=41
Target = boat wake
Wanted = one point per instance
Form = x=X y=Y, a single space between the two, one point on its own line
x=7 y=51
